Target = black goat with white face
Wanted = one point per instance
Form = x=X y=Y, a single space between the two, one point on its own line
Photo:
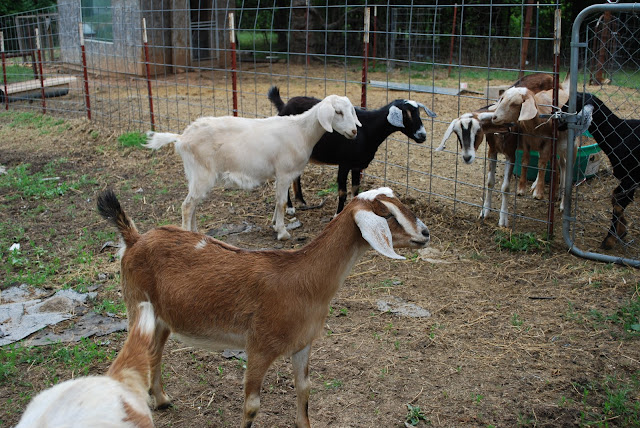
x=355 y=155
x=619 y=139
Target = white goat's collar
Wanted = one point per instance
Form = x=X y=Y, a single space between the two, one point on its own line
x=370 y=195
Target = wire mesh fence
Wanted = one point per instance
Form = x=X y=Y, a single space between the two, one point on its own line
x=605 y=218
x=452 y=58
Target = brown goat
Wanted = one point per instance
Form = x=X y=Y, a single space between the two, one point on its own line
x=523 y=106
x=271 y=303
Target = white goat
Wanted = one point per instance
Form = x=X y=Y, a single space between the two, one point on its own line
x=270 y=302
x=245 y=152
x=525 y=107
x=118 y=399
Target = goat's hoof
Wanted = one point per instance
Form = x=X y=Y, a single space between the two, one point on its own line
x=291 y=211
x=283 y=235
x=608 y=242
x=164 y=406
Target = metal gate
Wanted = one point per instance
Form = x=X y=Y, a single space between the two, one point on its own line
x=603 y=221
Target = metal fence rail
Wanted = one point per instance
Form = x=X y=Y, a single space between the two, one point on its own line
x=454 y=58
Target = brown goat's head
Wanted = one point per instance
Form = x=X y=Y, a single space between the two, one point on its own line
x=386 y=223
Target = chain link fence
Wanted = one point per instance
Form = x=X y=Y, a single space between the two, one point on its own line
x=604 y=221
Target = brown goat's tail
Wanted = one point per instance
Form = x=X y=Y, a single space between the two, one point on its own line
x=133 y=364
x=110 y=209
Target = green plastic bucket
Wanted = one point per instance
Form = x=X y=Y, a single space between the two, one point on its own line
x=587 y=164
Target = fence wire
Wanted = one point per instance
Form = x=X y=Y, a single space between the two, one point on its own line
x=454 y=58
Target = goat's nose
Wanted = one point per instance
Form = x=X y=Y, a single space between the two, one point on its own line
x=466 y=158
x=425 y=232
x=354 y=132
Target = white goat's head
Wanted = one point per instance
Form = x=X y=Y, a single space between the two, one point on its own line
x=386 y=223
x=336 y=113
x=515 y=105
x=469 y=130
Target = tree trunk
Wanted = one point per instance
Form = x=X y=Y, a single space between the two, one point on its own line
x=298 y=38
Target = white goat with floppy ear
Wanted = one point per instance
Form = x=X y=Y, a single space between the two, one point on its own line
x=118 y=399
x=245 y=153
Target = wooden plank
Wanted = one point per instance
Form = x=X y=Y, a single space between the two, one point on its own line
x=30 y=85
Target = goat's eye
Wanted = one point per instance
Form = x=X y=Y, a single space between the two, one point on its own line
x=339 y=112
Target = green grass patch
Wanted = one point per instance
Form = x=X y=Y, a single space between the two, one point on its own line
x=108 y=306
x=19 y=73
x=628 y=318
x=256 y=40
x=610 y=402
x=515 y=242
x=516 y=320
x=44 y=124
x=333 y=384
x=78 y=357
x=48 y=183
x=623 y=324
x=33 y=266
x=414 y=415
x=331 y=190
x=132 y=139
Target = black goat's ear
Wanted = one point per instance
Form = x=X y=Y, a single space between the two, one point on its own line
x=395 y=117
x=427 y=110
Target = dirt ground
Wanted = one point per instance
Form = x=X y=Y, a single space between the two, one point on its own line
x=524 y=338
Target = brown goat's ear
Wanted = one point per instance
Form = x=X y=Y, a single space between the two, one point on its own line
x=326 y=112
x=493 y=107
x=529 y=110
x=376 y=232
